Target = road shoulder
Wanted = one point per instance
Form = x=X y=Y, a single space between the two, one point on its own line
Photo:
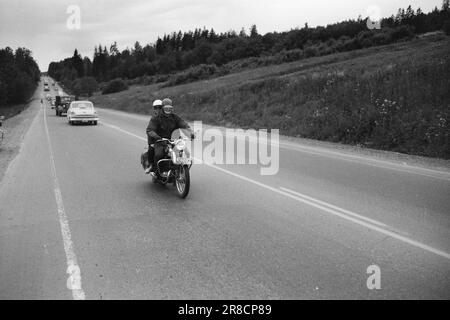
x=15 y=129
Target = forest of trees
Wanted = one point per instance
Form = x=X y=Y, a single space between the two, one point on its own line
x=19 y=76
x=180 y=51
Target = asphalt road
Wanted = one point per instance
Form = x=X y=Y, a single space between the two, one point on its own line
x=80 y=220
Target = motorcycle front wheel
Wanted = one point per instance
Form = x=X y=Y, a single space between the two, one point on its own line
x=183 y=181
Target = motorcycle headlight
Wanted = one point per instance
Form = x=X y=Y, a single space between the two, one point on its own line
x=181 y=145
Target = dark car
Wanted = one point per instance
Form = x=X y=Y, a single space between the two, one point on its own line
x=62 y=104
x=1 y=131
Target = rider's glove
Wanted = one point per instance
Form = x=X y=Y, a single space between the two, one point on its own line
x=154 y=136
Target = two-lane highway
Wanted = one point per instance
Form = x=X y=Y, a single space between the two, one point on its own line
x=76 y=198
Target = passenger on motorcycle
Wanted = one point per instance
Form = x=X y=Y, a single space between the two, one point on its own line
x=162 y=126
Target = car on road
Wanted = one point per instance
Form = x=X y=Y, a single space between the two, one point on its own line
x=82 y=112
x=1 y=131
x=46 y=87
x=62 y=104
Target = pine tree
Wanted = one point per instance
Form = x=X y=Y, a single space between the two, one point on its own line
x=446 y=5
x=113 y=50
x=213 y=36
x=159 y=46
x=179 y=41
x=253 y=31
x=77 y=63
x=137 y=51
x=409 y=13
x=205 y=33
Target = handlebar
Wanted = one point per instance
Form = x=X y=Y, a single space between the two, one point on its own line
x=163 y=140
x=170 y=140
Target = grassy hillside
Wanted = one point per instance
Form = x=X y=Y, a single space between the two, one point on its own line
x=394 y=97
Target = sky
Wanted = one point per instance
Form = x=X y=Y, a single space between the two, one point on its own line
x=41 y=25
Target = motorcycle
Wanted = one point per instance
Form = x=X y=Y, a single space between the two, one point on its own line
x=174 y=167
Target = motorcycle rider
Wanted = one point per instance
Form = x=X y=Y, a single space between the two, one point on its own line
x=157 y=105
x=162 y=126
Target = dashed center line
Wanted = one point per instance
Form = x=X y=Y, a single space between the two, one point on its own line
x=324 y=206
x=74 y=279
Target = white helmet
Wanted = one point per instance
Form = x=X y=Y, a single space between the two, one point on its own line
x=157 y=103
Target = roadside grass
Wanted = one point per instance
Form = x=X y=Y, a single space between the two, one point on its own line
x=394 y=97
x=12 y=110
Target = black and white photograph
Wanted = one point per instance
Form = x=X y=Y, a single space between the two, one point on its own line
x=224 y=156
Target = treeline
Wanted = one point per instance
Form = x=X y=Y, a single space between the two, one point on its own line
x=189 y=50
x=19 y=76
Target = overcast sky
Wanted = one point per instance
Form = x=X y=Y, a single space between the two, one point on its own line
x=40 y=25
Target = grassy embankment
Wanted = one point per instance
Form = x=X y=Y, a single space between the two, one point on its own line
x=394 y=97
x=12 y=110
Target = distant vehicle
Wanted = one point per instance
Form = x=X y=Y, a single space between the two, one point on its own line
x=62 y=104
x=57 y=102
x=46 y=87
x=53 y=83
x=82 y=112
x=1 y=131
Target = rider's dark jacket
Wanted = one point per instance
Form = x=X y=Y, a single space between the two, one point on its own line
x=162 y=126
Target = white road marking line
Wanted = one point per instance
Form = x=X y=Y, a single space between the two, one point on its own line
x=74 y=280
x=319 y=151
x=323 y=208
x=124 y=131
x=335 y=209
x=373 y=227
x=328 y=208
x=371 y=162
x=135 y=116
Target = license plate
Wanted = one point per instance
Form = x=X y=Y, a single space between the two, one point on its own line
x=84 y=120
